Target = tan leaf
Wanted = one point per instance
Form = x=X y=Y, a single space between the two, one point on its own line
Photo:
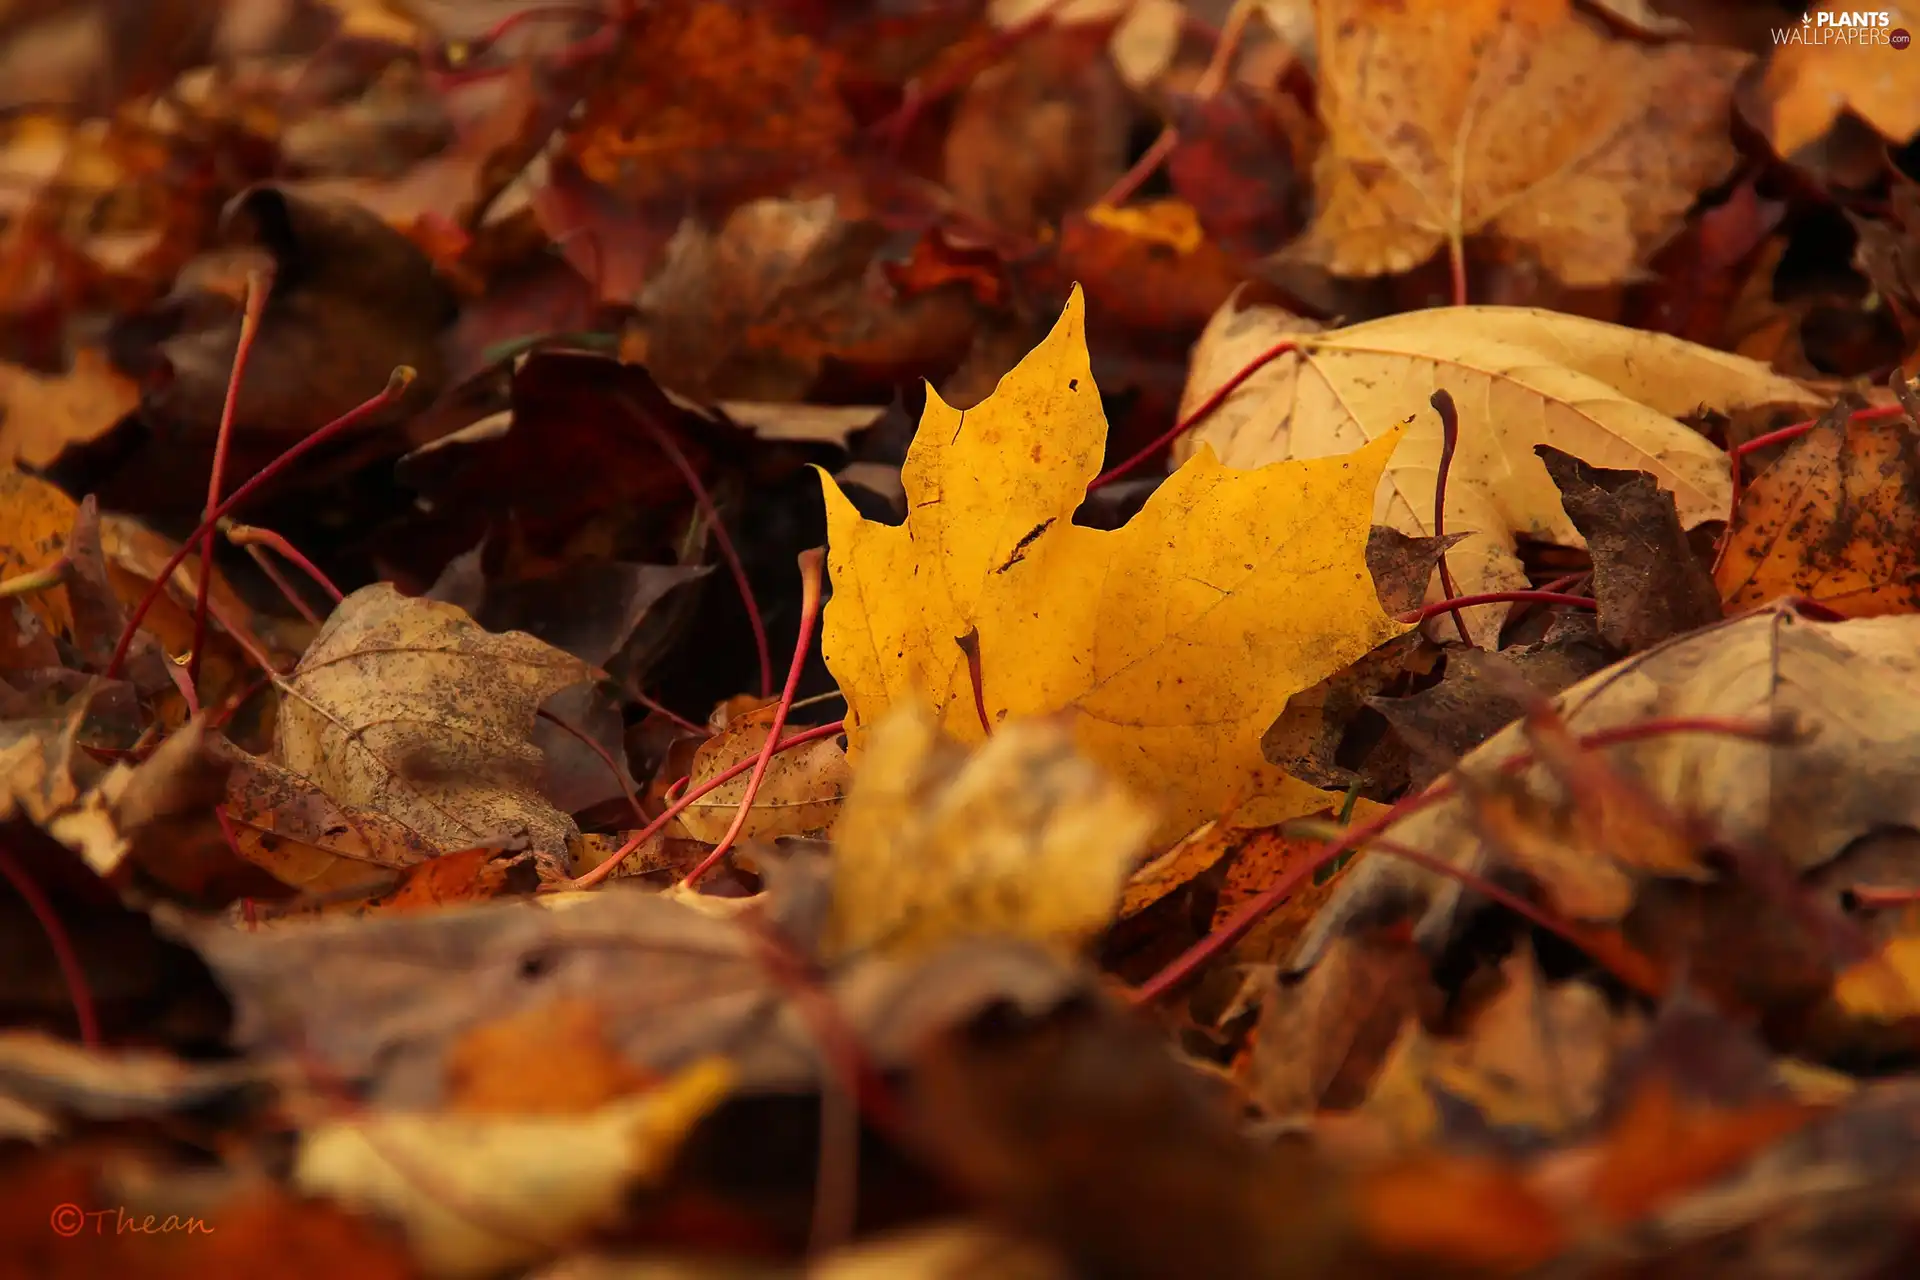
x=1025 y=837
x=801 y=791
x=1519 y=118
x=409 y=708
x=1520 y=377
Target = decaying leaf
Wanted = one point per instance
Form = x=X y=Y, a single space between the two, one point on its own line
x=1322 y=1038
x=285 y=824
x=1308 y=738
x=800 y=793
x=1836 y=519
x=1536 y=1056
x=1521 y=378
x=1849 y=690
x=1479 y=693
x=1647 y=580
x=408 y=708
x=1140 y=634
x=1023 y=837
x=1521 y=119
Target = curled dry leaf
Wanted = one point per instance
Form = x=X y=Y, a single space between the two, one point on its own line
x=1811 y=81
x=1519 y=119
x=1836 y=519
x=1521 y=378
x=1851 y=689
x=1142 y=635
x=1647 y=581
x=407 y=707
x=1024 y=837
x=1479 y=693
x=1308 y=738
x=800 y=793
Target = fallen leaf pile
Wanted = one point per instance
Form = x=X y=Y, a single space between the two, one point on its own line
x=1120 y=638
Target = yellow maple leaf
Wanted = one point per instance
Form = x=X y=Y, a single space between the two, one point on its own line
x=1171 y=643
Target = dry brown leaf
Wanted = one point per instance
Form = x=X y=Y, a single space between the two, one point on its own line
x=1535 y=1056
x=1040 y=133
x=1322 y=1039
x=1474 y=1212
x=800 y=793
x=712 y=104
x=1520 y=378
x=408 y=708
x=1853 y=766
x=1812 y=79
x=1836 y=519
x=1025 y=837
x=1515 y=117
x=284 y=823
x=41 y=415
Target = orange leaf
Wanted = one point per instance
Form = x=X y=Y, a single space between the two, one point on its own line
x=1665 y=1145
x=1836 y=519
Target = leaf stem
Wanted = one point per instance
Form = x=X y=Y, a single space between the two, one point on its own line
x=1205 y=407
x=606 y=758
x=34 y=581
x=259 y=284
x=1212 y=80
x=1632 y=967
x=675 y=718
x=1442 y=402
x=722 y=539
x=893 y=127
x=396 y=387
x=58 y=941
x=1415 y=617
x=247 y=535
x=281 y=584
x=685 y=802
x=811 y=562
